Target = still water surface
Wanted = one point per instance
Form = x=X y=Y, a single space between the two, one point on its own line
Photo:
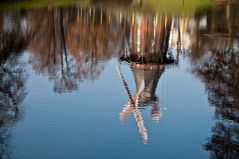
x=102 y=82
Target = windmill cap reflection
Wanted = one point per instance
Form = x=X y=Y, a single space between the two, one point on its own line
x=149 y=75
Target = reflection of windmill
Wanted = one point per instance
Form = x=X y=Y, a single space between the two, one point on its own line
x=146 y=50
x=146 y=84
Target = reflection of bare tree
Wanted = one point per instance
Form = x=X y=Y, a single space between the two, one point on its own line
x=225 y=27
x=49 y=50
x=219 y=70
x=69 y=44
x=216 y=62
x=12 y=77
x=93 y=36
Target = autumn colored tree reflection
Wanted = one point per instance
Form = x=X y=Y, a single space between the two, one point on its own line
x=69 y=44
x=49 y=52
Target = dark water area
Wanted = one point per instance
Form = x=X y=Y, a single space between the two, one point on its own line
x=91 y=81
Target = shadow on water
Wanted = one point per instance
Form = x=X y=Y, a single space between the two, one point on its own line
x=73 y=44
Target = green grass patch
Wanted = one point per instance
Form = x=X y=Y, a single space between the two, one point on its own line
x=182 y=7
x=27 y=4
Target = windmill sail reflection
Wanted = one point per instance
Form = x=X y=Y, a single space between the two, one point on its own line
x=132 y=106
x=145 y=95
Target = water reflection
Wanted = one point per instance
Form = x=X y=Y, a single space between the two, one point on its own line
x=12 y=77
x=212 y=45
x=216 y=62
x=73 y=44
x=67 y=44
x=146 y=49
x=146 y=83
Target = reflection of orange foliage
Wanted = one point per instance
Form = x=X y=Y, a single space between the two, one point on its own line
x=97 y=33
x=68 y=44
